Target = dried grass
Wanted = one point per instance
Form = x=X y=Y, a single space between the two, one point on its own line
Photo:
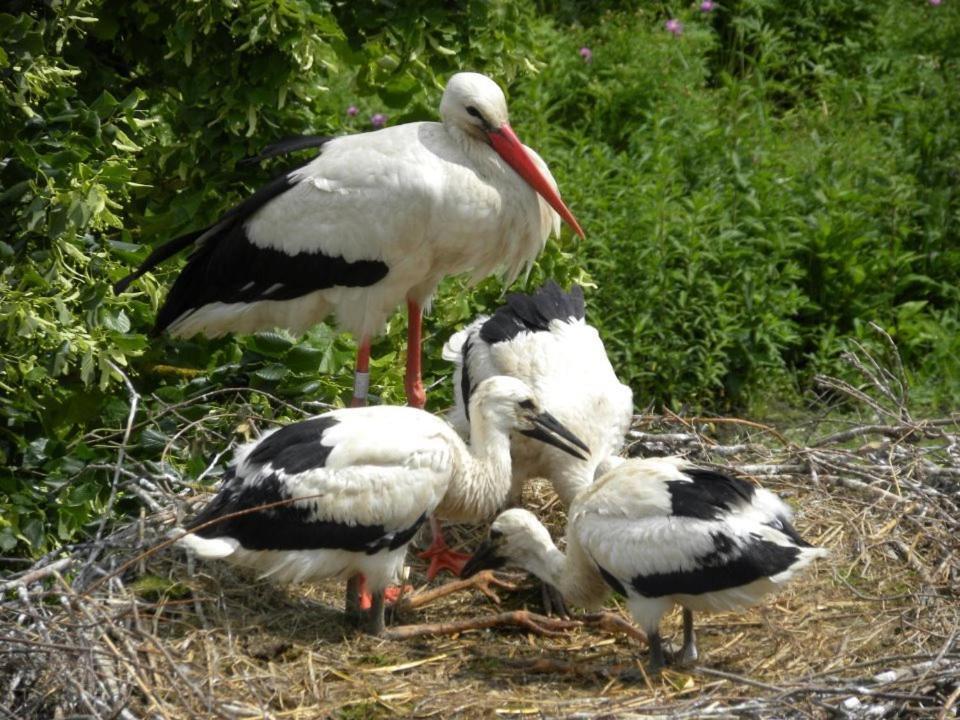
x=869 y=632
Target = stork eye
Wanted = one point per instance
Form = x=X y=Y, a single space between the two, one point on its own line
x=471 y=110
x=526 y=404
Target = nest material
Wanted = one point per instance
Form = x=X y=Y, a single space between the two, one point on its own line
x=109 y=632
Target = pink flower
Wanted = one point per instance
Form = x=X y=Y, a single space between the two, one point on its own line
x=675 y=26
x=352 y=111
x=379 y=120
x=935 y=2
x=707 y=6
x=587 y=54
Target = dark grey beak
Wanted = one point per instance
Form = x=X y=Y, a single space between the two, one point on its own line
x=548 y=429
x=485 y=558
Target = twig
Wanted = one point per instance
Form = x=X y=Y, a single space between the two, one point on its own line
x=31 y=576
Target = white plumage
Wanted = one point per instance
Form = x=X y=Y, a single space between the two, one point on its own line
x=544 y=340
x=661 y=532
x=374 y=220
x=347 y=490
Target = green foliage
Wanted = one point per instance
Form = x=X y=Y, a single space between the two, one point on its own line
x=121 y=128
x=754 y=191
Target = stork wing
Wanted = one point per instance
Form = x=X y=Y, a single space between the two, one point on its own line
x=228 y=267
x=296 y=490
x=662 y=529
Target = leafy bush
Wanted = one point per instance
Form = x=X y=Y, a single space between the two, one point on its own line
x=122 y=127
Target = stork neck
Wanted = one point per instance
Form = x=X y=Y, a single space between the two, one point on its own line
x=551 y=567
x=574 y=574
x=491 y=465
x=484 y=158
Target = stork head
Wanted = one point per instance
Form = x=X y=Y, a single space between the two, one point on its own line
x=509 y=404
x=474 y=104
x=516 y=539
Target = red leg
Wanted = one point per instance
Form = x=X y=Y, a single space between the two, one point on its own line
x=361 y=376
x=440 y=555
x=390 y=595
x=416 y=396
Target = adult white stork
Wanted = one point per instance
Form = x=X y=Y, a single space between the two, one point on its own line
x=542 y=339
x=374 y=220
x=660 y=532
x=343 y=493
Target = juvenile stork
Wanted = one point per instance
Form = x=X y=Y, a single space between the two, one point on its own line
x=343 y=493
x=544 y=340
x=374 y=220
x=662 y=533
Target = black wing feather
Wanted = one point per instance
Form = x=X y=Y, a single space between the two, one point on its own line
x=290 y=450
x=708 y=495
x=227 y=267
x=287 y=145
x=719 y=569
x=533 y=313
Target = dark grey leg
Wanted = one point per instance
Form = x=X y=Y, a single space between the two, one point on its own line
x=351 y=604
x=374 y=624
x=553 y=603
x=689 y=654
x=656 y=653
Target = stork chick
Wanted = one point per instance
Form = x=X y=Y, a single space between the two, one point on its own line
x=343 y=493
x=661 y=532
x=543 y=340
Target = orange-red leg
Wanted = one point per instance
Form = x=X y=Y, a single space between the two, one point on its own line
x=361 y=376
x=416 y=395
x=365 y=597
x=440 y=555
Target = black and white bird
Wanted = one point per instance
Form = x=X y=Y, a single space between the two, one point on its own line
x=661 y=532
x=343 y=493
x=375 y=220
x=544 y=340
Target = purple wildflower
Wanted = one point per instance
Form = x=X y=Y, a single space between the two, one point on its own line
x=707 y=6
x=379 y=120
x=586 y=53
x=935 y=2
x=675 y=26
x=352 y=111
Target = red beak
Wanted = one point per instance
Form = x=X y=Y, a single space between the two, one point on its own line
x=509 y=147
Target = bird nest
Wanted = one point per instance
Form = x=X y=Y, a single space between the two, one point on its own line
x=118 y=628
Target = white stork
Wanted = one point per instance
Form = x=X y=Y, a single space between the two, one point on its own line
x=343 y=493
x=374 y=220
x=660 y=532
x=542 y=339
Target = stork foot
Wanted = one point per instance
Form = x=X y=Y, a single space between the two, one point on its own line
x=441 y=557
x=553 y=602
